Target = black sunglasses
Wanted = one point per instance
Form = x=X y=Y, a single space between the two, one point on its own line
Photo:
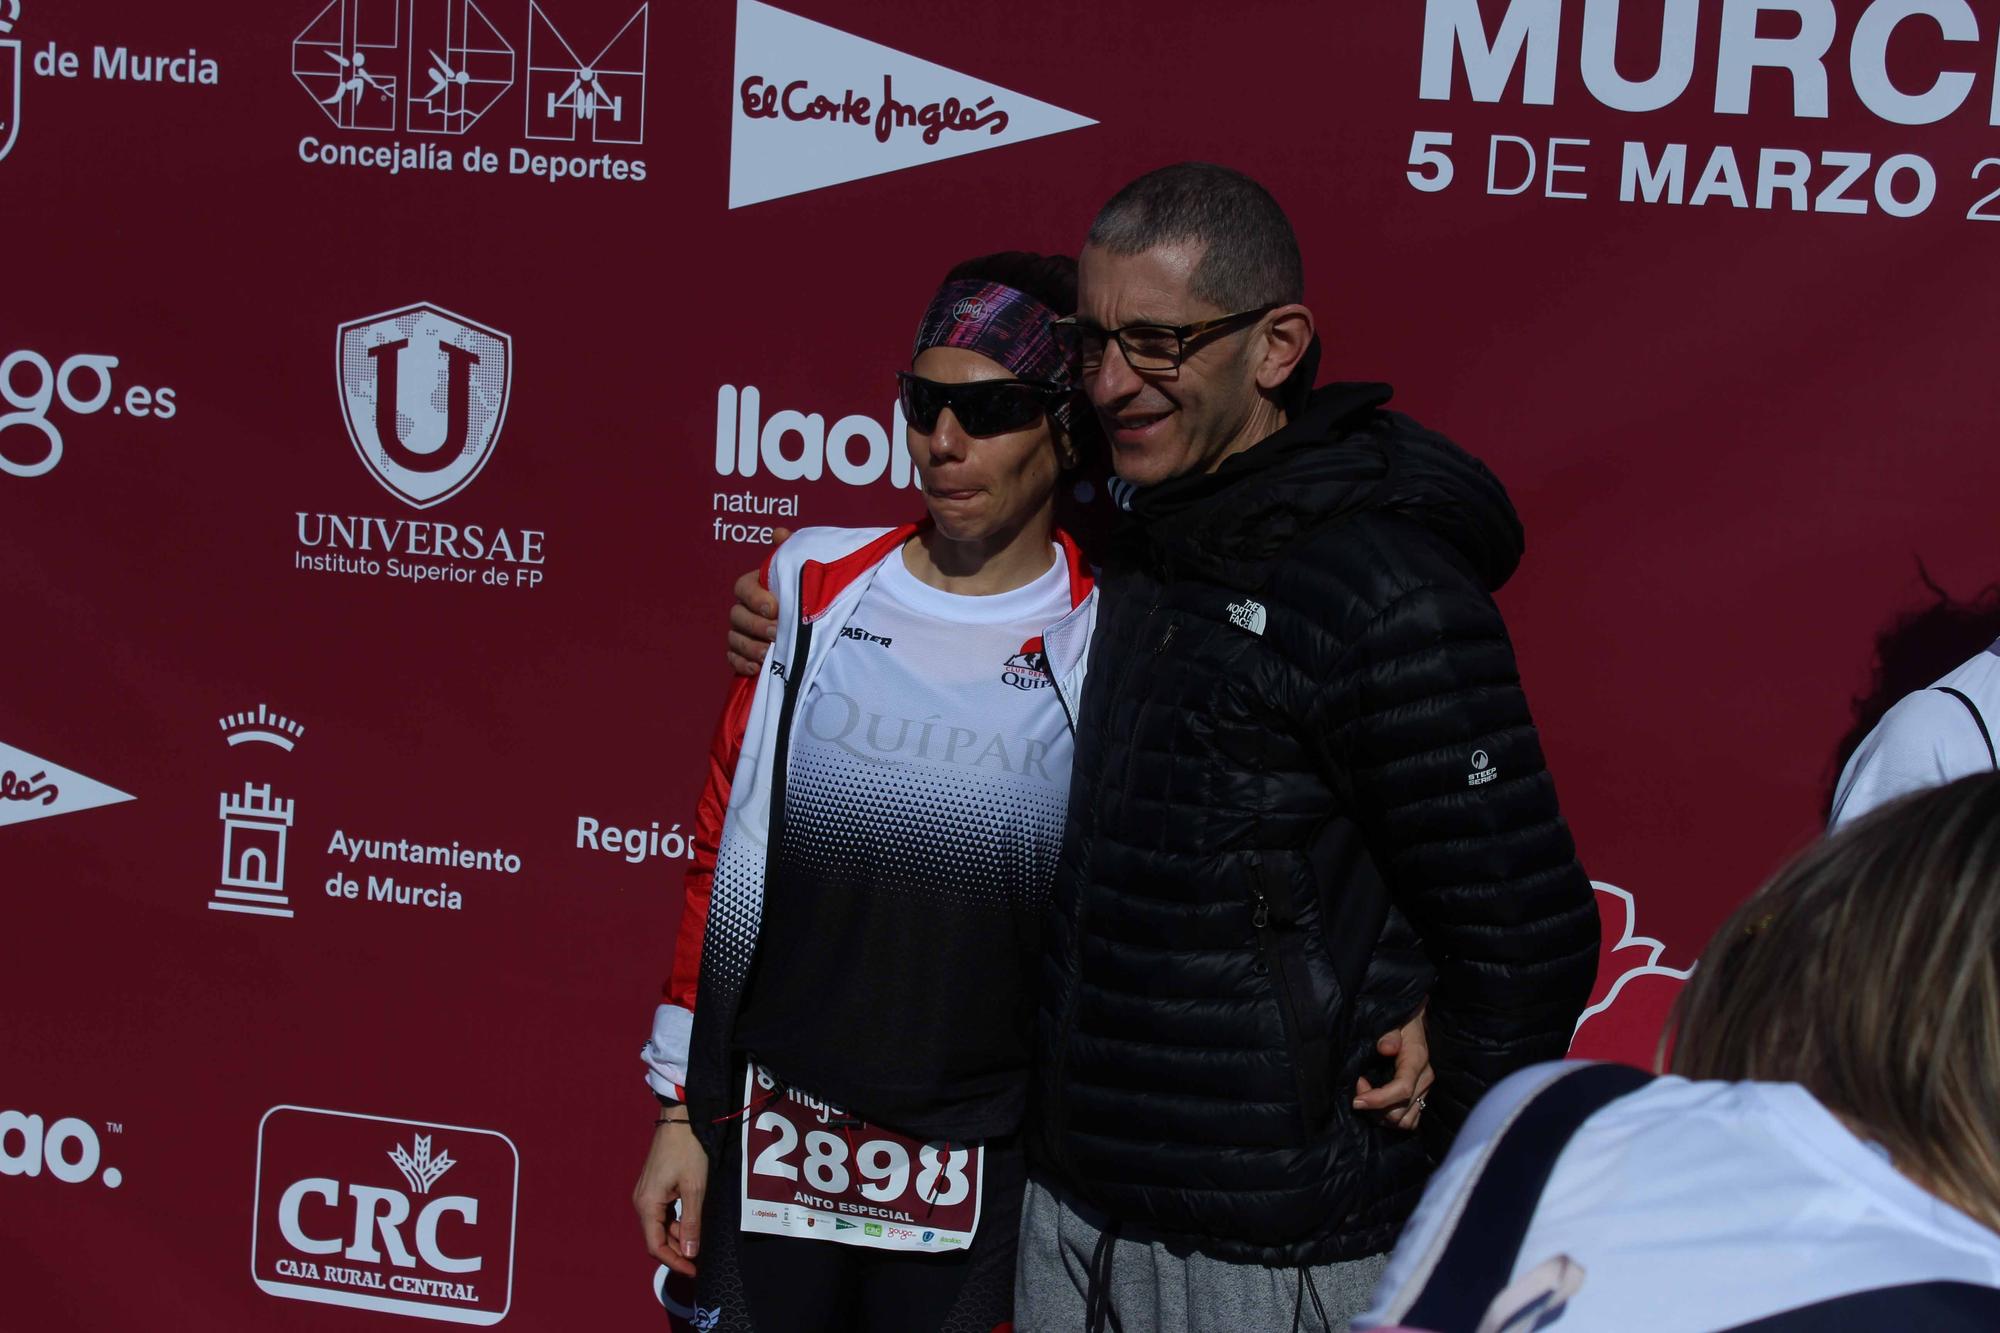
x=983 y=407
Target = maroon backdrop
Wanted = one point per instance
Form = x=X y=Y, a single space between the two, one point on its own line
x=1733 y=405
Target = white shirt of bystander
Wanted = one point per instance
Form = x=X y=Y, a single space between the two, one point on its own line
x=1693 y=1206
x=1926 y=739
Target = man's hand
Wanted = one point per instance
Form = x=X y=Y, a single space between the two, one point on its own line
x=1401 y=1099
x=676 y=1168
x=753 y=621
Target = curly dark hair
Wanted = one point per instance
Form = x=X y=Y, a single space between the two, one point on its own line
x=1911 y=651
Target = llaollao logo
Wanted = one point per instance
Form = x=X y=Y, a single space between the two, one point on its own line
x=65 y=1150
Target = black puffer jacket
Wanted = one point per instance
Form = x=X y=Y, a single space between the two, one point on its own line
x=1307 y=795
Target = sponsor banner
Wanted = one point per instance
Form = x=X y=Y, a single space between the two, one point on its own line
x=815 y=106
x=423 y=394
x=35 y=788
x=434 y=69
x=64 y=1149
x=33 y=387
x=258 y=822
x=377 y=1213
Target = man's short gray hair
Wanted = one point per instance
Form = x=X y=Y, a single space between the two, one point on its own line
x=1251 y=257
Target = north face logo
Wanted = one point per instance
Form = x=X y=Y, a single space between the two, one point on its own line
x=815 y=106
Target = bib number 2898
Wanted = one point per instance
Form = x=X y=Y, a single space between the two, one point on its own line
x=810 y=1170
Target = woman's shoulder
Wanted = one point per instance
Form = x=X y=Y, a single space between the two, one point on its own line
x=823 y=545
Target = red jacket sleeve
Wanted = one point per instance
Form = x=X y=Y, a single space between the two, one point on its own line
x=723 y=751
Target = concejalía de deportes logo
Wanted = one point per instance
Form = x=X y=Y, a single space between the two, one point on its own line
x=433 y=69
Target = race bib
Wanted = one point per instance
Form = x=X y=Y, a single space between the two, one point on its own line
x=811 y=1170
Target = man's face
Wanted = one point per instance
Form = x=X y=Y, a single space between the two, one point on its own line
x=1167 y=423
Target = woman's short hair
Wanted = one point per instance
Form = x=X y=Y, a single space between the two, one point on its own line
x=1868 y=970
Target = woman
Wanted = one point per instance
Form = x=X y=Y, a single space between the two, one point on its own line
x=842 y=1056
x=1826 y=1154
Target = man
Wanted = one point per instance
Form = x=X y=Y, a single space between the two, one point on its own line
x=1307 y=795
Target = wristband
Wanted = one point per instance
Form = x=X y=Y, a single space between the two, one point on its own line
x=671 y=1120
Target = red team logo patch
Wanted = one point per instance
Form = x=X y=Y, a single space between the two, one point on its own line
x=1029 y=668
x=381 y=1214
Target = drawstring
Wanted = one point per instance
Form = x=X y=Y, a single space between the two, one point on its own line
x=755 y=1104
x=1308 y=1286
x=1097 y=1315
x=930 y=1204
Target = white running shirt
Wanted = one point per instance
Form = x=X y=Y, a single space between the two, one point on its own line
x=923 y=812
x=1926 y=740
x=1697 y=1206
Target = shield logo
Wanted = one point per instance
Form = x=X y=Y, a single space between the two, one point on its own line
x=10 y=93
x=424 y=393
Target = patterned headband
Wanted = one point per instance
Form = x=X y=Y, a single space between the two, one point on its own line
x=1003 y=323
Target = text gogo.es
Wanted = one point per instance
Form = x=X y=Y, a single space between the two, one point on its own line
x=50 y=384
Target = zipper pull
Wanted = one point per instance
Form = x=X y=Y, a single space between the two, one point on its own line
x=1260 y=916
x=1165 y=639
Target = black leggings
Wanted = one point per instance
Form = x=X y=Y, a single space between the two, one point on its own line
x=786 y=1284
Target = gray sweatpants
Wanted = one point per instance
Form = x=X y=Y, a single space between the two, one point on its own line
x=1154 y=1286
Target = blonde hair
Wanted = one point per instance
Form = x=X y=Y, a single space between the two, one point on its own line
x=1868 y=970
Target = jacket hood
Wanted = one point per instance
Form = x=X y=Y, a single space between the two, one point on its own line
x=1338 y=456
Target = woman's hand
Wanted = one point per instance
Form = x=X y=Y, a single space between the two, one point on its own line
x=676 y=1168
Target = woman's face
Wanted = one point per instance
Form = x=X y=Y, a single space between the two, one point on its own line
x=979 y=487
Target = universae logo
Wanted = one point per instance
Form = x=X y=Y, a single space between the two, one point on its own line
x=424 y=395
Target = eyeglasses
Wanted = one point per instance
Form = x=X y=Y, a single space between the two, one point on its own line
x=1146 y=346
x=983 y=407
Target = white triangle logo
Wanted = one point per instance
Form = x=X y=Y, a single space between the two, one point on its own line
x=815 y=106
x=32 y=788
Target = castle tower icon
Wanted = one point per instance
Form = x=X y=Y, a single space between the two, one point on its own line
x=254 y=828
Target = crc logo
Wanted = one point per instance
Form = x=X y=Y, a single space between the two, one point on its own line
x=67 y=1150
x=383 y=1214
x=424 y=394
x=83 y=384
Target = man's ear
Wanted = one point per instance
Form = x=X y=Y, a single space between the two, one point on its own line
x=1064 y=440
x=1288 y=332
